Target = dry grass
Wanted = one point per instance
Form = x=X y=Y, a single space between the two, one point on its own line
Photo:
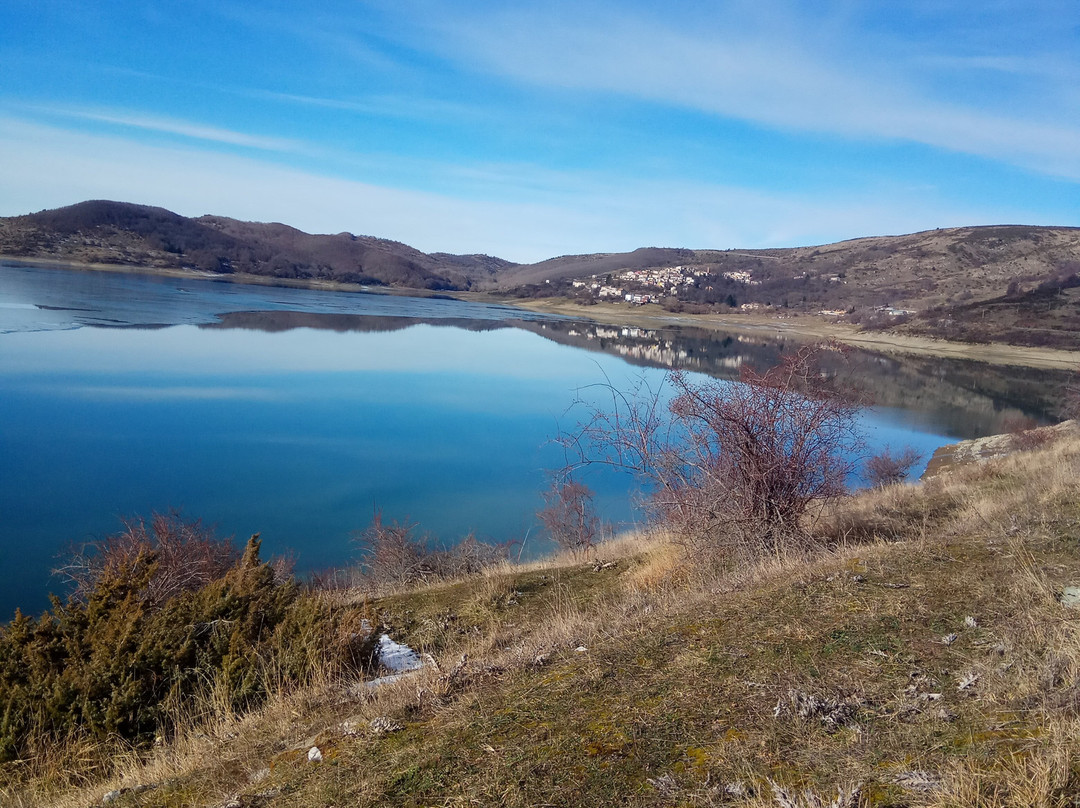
x=641 y=683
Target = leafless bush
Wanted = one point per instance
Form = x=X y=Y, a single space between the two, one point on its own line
x=1026 y=433
x=471 y=556
x=393 y=553
x=568 y=517
x=1071 y=408
x=885 y=468
x=185 y=555
x=733 y=466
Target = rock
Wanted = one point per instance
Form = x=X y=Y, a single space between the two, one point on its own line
x=1070 y=596
x=314 y=754
x=384 y=726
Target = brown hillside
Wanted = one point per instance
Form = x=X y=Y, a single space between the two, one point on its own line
x=138 y=235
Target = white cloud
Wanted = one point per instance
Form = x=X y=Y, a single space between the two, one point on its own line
x=172 y=126
x=765 y=68
x=549 y=213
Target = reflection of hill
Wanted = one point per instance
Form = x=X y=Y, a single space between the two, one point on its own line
x=959 y=397
x=275 y=321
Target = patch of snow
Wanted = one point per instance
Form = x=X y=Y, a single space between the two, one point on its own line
x=397 y=658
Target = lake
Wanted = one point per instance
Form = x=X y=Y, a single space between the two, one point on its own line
x=297 y=413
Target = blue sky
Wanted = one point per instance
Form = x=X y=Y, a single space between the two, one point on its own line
x=547 y=128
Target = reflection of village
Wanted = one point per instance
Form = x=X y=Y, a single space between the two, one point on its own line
x=659 y=348
x=966 y=398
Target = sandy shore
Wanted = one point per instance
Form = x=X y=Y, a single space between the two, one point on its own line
x=799 y=327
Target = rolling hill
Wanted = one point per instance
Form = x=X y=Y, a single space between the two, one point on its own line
x=1006 y=283
x=139 y=235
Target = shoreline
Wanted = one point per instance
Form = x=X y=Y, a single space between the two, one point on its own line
x=805 y=327
x=809 y=327
x=243 y=278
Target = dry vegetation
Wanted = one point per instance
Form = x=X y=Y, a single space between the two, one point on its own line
x=924 y=658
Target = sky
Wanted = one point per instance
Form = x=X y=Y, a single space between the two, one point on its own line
x=531 y=130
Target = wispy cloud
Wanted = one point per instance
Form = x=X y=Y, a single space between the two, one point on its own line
x=764 y=69
x=172 y=126
x=391 y=106
x=552 y=213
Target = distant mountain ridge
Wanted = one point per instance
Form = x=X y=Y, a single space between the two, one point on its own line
x=100 y=231
x=953 y=271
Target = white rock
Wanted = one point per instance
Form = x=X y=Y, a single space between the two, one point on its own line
x=1070 y=597
x=396 y=657
x=314 y=755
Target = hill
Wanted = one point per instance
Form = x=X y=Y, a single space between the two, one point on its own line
x=142 y=236
x=1008 y=283
x=913 y=271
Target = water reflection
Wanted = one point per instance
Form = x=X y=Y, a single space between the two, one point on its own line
x=957 y=397
x=295 y=413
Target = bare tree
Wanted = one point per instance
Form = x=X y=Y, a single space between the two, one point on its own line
x=185 y=555
x=733 y=466
x=885 y=468
x=567 y=514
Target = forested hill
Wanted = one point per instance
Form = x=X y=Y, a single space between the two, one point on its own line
x=139 y=235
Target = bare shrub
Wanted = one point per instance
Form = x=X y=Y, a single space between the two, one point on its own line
x=733 y=466
x=1071 y=408
x=1025 y=431
x=471 y=556
x=185 y=555
x=568 y=516
x=885 y=468
x=393 y=553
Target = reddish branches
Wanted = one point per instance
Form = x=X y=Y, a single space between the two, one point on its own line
x=734 y=465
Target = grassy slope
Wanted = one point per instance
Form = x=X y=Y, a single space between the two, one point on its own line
x=673 y=699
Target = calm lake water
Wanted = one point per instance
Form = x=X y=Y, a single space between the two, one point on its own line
x=297 y=413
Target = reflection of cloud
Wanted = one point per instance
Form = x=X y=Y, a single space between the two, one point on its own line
x=173 y=393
